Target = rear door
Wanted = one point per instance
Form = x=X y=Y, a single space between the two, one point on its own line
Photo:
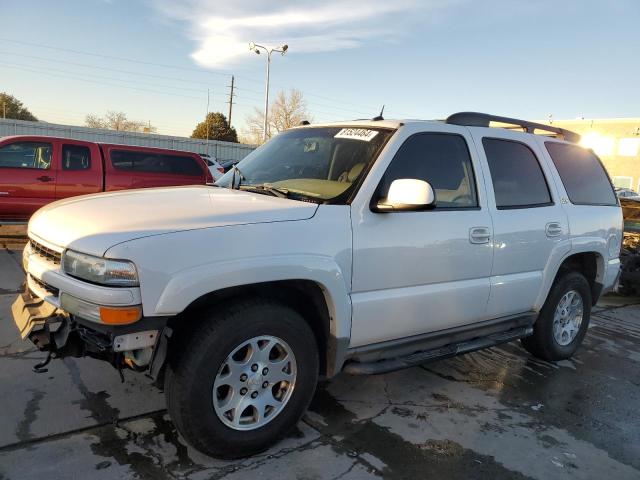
x=143 y=168
x=27 y=176
x=530 y=227
x=79 y=170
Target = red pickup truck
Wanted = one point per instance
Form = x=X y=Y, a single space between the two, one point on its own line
x=36 y=170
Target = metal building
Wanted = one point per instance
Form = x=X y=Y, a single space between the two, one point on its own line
x=221 y=150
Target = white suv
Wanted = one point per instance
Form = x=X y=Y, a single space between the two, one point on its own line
x=361 y=247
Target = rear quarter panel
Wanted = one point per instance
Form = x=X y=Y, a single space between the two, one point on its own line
x=592 y=228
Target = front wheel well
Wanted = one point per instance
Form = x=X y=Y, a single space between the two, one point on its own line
x=589 y=264
x=305 y=296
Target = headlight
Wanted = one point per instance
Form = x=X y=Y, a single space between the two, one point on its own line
x=103 y=271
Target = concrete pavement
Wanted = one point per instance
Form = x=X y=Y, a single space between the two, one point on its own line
x=492 y=414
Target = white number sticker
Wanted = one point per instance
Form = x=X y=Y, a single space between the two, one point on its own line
x=363 y=134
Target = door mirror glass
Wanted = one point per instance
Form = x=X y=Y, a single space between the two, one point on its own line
x=407 y=194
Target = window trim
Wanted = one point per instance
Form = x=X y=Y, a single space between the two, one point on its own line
x=200 y=165
x=31 y=168
x=606 y=173
x=551 y=201
x=376 y=193
x=62 y=147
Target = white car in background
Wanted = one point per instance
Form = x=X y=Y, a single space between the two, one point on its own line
x=214 y=166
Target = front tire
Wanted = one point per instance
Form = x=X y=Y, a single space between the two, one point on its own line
x=243 y=378
x=563 y=320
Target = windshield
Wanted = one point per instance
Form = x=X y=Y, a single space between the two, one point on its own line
x=321 y=163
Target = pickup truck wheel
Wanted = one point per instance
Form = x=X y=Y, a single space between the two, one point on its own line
x=243 y=378
x=563 y=320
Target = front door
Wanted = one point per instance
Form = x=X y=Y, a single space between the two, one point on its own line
x=424 y=271
x=27 y=177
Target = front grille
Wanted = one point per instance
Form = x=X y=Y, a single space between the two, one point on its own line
x=45 y=286
x=44 y=252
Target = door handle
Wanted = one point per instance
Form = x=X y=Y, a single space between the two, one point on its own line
x=479 y=234
x=44 y=178
x=553 y=229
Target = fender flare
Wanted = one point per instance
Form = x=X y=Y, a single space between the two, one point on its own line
x=595 y=245
x=191 y=284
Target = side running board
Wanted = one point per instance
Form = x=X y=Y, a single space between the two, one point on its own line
x=426 y=356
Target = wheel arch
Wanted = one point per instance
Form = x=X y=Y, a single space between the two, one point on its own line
x=313 y=286
x=590 y=263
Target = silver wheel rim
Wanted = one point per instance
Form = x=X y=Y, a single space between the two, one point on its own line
x=568 y=318
x=254 y=383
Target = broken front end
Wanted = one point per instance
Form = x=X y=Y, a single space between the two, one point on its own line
x=64 y=316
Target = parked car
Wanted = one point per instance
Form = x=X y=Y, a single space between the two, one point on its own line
x=228 y=164
x=626 y=193
x=35 y=171
x=216 y=169
x=361 y=247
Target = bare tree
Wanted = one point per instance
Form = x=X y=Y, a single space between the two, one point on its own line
x=285 y=112
x=113 y=120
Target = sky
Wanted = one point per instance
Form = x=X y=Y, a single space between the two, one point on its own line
x=155 y=60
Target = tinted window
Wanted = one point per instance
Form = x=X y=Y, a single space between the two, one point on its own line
x=155 y=163
x=442 y=160
x=582 y=174
x=26 y=155
x=517 y=178
x=76 y=157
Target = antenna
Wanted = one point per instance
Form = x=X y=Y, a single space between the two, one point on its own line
x=379 y=117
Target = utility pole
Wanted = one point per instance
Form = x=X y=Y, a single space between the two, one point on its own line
x=4 y=109
x=206 y=119
x=230 y=102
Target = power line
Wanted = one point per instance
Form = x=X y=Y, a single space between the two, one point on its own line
x=182 y=68
x=99 y=82
x=97 y=67
x=112 y=57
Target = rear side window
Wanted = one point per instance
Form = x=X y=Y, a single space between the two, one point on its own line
x=582 y=174
x=518 y=181
x=443 y=160
x=76 y=157
x=26 y=155
x=155 y=163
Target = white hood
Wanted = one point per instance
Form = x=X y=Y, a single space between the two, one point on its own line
x=94 y=223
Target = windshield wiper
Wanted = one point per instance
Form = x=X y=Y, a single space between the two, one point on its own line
x=266 y=188
x=280 y=192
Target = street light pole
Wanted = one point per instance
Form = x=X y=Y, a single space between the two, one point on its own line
x=282 y=50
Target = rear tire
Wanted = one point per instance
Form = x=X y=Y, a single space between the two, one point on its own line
x=201 y=384
x=558 y=332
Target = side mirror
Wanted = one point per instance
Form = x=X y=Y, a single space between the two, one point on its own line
x=407 y=194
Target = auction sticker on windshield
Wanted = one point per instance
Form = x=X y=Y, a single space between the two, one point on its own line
x=363 y=134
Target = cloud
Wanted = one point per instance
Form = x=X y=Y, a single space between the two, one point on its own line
x=223 y=31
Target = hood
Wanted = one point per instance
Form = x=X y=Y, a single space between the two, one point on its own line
x=94 y=223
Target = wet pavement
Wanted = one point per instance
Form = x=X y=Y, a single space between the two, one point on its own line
x=493 y=414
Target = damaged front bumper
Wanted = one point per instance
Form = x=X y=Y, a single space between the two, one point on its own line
x=140 y=346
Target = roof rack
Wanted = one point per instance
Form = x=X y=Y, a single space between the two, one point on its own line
x=475 y=119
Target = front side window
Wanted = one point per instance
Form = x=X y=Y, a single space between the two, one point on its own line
x=26 y=155
x=154 y=163
x=76 y=157
x=441 y=159
x=582 y=174
x=518 y=181
x=321 y=163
